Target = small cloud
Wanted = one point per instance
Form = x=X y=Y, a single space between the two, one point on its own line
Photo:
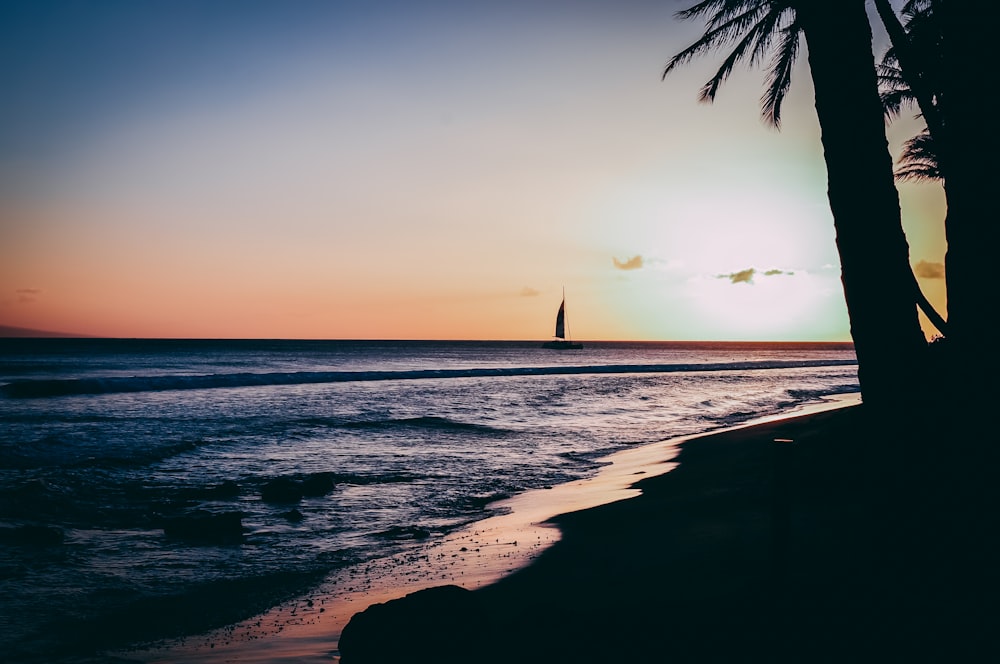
x=741 y=277
x=746 y=276
x=528 y=291
x=633 y=263
x=27 y=295
x=928 y=270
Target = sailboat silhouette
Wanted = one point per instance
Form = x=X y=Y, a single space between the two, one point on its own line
x=562 y=340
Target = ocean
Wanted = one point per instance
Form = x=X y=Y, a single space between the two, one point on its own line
x=202 y=482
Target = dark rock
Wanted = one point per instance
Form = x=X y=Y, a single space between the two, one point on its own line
x=204 y=527
x=444 y=625
x=31 y=535
x=228 y=489
x=281 y=490
x=318 y=484
x=293 y=515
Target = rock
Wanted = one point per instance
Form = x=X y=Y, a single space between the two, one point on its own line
x=228 y=489
x=293 y=515
x=204 y=527
x=281 y=490
x=318 y=484
x=444 y=625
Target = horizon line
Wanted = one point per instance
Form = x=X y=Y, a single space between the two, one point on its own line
x=13 y=333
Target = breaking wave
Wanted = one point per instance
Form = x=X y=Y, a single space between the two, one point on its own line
x=42 y=388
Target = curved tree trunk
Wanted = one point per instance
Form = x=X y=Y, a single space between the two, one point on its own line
x=925 y=306
x=874 y=255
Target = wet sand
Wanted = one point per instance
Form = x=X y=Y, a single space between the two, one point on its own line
x=850 y=535
x=308 y=629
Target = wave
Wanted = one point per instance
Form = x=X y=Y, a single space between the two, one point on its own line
x=426 y=422
x=54 y=451
x=42 y=388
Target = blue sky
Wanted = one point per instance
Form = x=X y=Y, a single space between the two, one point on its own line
x=405 y=169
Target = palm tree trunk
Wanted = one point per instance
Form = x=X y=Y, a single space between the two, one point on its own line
x=874 y=255
x=914 y=70
x=972 y=228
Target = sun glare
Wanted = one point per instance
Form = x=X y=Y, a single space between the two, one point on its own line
x=769 y=305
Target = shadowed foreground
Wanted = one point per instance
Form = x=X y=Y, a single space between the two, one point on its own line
x=865 y=539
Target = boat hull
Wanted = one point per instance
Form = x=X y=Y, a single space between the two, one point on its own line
x=562 y=345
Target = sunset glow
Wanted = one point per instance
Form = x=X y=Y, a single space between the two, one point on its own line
x=349 y=170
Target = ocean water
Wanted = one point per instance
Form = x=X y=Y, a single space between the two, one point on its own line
x=143 y=479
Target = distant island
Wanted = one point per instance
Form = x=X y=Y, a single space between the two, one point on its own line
x=8 y=332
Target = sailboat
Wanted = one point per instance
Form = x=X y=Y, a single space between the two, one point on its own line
x=562 y=340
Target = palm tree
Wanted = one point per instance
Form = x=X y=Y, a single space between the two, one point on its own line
x=874 y=255
x=917 y=44
x=919 y=157
x=911 y=69
x=936 y=64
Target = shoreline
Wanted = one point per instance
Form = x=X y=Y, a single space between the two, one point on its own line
x=308 y=628
x=855 y=534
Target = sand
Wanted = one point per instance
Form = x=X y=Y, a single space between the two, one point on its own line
x=871 y=537
x=836 y=535
x=850 y=535
x=627 y=547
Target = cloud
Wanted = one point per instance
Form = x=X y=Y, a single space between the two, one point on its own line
x=741 y=277
x=746 y=276
x=928 y=270
x=633 y=263
x=528 y=291
x=27 y=295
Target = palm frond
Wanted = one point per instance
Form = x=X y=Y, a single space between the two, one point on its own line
x=704 y=7
x=779 y=79
x=751 y=28
x=745 y=49
x=893 y=102
x=716 y=36
x=913 y=8
x=724 y=26
x=769 y=28
x=919 y=160
x=894 y=91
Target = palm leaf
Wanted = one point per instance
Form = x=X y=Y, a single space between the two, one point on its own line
x=779 y=79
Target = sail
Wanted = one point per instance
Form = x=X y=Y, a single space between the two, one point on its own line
x=561 y=321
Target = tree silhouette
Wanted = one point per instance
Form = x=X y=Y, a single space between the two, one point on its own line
x=936 y=64
x=875 y=271
x=915 y=42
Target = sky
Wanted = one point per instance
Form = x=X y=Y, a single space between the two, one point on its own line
x=409 y=170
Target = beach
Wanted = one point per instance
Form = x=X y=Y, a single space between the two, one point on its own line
x=178 y=500
x=824 y=535
x=835 y=536
x=831 y=533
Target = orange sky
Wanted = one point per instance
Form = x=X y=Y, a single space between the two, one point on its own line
x=334 y=171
